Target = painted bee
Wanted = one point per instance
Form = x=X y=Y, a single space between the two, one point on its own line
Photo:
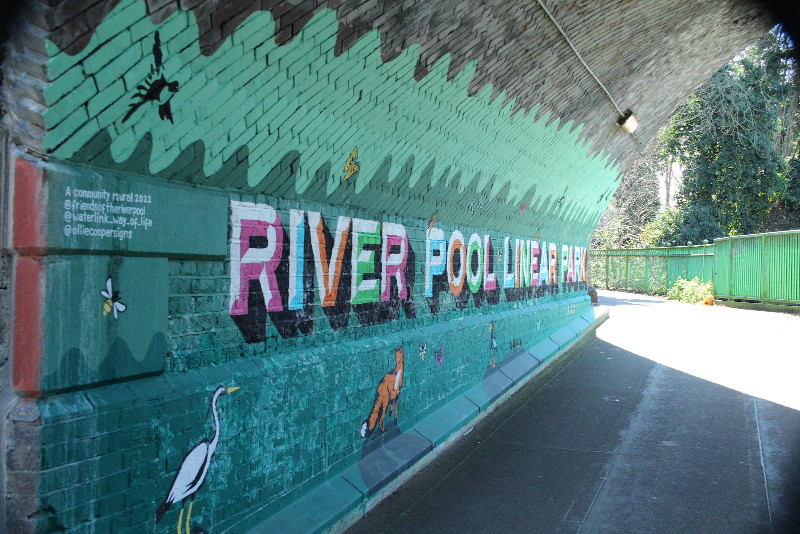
x=351 y=167
x=112 y=303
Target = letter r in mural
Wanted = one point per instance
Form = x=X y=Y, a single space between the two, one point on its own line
x=394 y=257
x=256 y=250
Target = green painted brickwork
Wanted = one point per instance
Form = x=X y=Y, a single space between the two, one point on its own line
x=274 y=125
x=201 y=331
x=296 y=420
x=83 y=344
x=110 y=453
x=299 y=105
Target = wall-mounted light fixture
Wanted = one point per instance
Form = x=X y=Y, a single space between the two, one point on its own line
x=628 y=122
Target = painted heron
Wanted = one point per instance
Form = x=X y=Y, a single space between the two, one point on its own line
x=194 y=467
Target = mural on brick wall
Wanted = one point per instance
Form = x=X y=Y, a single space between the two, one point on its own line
x=387 y=397
x=285 y=196
x=194 y=468
x=280 y=274
x=332 y=190
x=291 y=112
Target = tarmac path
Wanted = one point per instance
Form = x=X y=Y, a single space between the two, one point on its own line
x=677 y=419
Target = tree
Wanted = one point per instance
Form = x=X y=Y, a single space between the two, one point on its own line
x=736 y=139
x=731 y=136
x=634 y=203
x=785 y=214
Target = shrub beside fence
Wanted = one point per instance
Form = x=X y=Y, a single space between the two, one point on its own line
x=757 y=268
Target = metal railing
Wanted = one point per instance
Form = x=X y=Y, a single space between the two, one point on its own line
x=758 y=268
x=651 y=270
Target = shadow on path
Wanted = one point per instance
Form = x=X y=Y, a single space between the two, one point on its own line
x=609 y=441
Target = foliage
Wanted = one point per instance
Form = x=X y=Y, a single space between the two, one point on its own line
x=661 y=230
x=731 y=136
x=690 y=291
x=634 y=203
x=736 y=139
x=792 y=198
x=689 y=222
x=786 y=212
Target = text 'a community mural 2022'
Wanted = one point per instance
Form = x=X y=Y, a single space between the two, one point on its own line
x=283 y=264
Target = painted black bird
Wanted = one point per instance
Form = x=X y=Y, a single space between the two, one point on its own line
x=153 y=88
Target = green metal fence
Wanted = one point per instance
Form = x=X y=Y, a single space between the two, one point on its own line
x=758 y=268
x=651 y=270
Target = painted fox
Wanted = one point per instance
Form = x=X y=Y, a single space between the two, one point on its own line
x=386 y=397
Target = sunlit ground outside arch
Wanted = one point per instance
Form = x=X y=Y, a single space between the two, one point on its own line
x=754 y=352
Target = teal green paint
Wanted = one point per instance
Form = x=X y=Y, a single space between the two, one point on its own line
x=84 y=345
x=128 y=214
x=293 y=423
x=396 y=116
x=431 y=194
x=200 y=300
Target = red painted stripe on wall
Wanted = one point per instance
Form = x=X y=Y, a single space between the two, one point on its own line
x=29 y=208
x=27 y=332
x=30 y=242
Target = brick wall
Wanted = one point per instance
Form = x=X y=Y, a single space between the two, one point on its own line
x=321 y=207
x=629 y=45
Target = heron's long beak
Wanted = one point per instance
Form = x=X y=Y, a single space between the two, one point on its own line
x=232 y=389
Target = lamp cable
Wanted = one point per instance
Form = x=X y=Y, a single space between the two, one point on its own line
x=578 y=55
x=585 y=65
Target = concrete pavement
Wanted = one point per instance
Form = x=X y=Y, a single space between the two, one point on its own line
x=678 y=418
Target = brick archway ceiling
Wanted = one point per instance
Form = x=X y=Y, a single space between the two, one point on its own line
x=650 y=54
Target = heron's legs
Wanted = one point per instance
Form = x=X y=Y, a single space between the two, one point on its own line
x=180 y=518
x=188 y=516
